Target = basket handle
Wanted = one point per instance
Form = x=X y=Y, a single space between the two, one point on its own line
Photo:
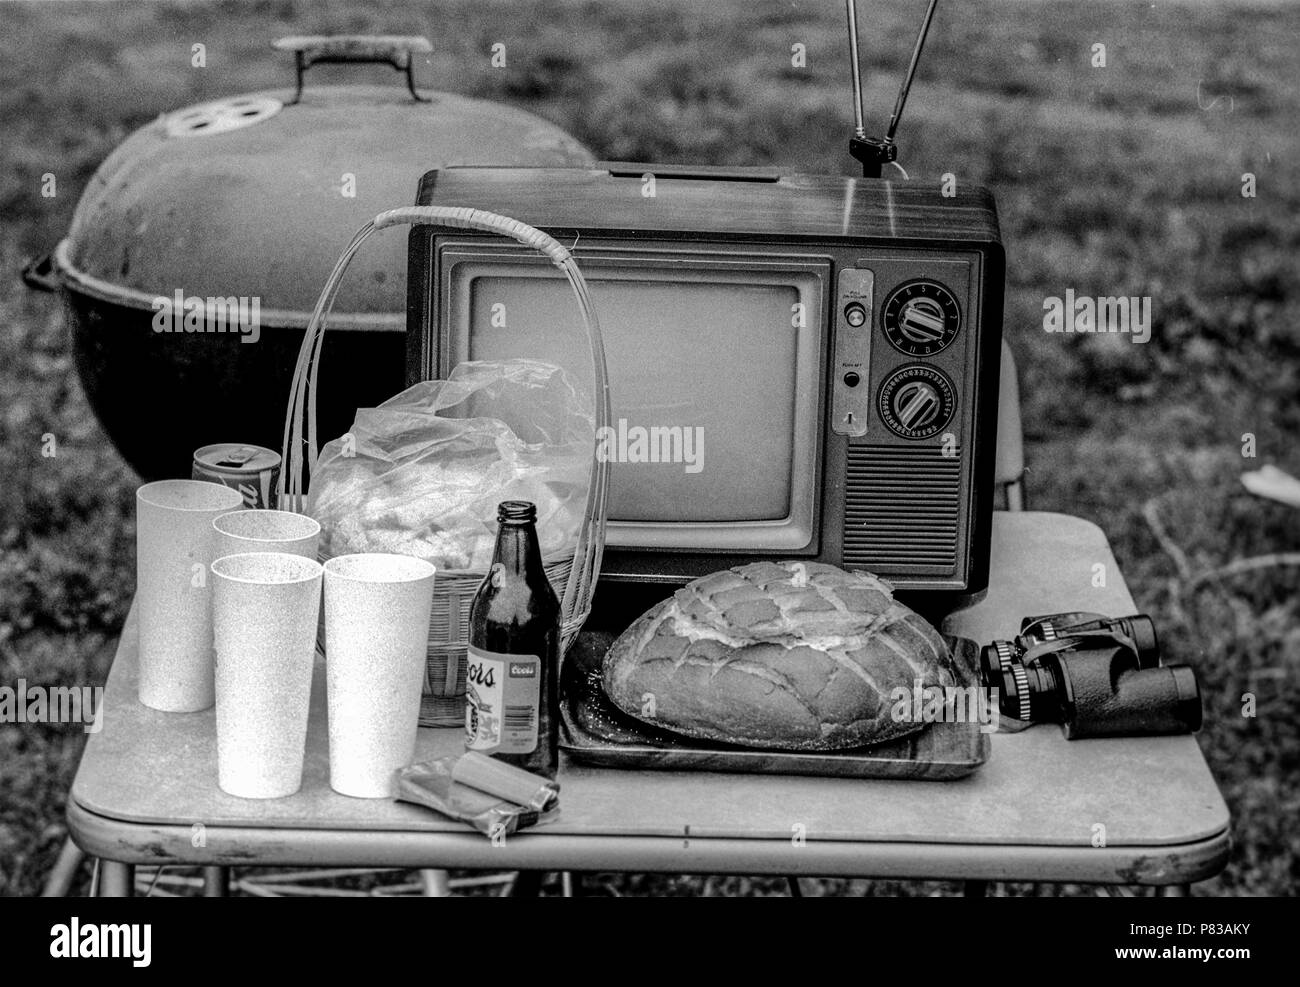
x=302 y=398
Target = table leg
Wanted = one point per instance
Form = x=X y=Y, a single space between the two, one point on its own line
x=64 y=871
x=1174 y=891
x=116 y=879
x=216 y=882
x=975 y=889
x=436 y=883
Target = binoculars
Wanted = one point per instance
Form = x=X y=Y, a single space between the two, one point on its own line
x=1096 y=676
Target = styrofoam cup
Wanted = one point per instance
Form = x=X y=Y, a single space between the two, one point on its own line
x=262 y=530
x=377 y=611
x=265 y=607
x=174 y=543
x=258 y=530
x=266 y=531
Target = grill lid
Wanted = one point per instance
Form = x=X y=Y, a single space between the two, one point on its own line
x=256 y=195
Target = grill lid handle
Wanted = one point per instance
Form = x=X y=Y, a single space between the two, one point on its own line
x=384 y=49
x=40 y=274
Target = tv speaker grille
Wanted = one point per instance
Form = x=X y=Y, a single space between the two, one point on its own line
x=901 y=507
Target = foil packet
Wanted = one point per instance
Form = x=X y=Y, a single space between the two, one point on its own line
x=495 y=798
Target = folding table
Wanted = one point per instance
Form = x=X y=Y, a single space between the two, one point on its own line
x=1140 y=811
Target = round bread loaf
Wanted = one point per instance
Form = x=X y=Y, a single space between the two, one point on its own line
x=790 y=655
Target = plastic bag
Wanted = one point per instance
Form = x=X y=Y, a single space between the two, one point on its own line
x=422 y=474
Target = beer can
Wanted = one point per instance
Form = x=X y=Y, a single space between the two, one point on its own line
x=252 y=470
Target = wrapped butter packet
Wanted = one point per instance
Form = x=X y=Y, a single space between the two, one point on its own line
x=495 y=798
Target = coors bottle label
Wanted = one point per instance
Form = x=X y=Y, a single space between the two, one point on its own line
x=502 y=699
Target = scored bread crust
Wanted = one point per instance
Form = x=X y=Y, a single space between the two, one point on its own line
x=789 y=655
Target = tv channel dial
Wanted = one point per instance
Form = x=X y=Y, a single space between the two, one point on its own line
x=916 y=401
x=920 y=318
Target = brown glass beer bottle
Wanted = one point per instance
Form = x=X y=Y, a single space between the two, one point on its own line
x=511 y=689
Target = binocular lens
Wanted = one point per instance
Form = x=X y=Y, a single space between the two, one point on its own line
x=1188 y=709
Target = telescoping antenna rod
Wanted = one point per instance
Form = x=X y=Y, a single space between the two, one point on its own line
x=874 y=152
x=859 y=130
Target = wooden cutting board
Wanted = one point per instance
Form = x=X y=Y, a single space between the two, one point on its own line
x=596 y=732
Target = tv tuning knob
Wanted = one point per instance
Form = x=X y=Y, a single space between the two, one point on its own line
x=916 y=404
x=920 y=318
x=916 y=401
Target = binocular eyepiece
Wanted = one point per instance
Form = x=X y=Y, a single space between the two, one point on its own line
x=1096 y=676
x=1137 y=630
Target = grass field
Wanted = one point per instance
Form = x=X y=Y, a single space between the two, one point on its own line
x=1116 y=180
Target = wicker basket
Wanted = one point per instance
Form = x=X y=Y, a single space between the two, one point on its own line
x=573 y=577
x=443 y=703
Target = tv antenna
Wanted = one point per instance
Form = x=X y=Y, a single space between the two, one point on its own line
x=874 y=152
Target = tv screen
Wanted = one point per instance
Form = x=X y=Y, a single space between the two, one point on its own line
x=714 y=383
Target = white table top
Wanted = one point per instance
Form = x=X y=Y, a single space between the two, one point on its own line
x=149 y=775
